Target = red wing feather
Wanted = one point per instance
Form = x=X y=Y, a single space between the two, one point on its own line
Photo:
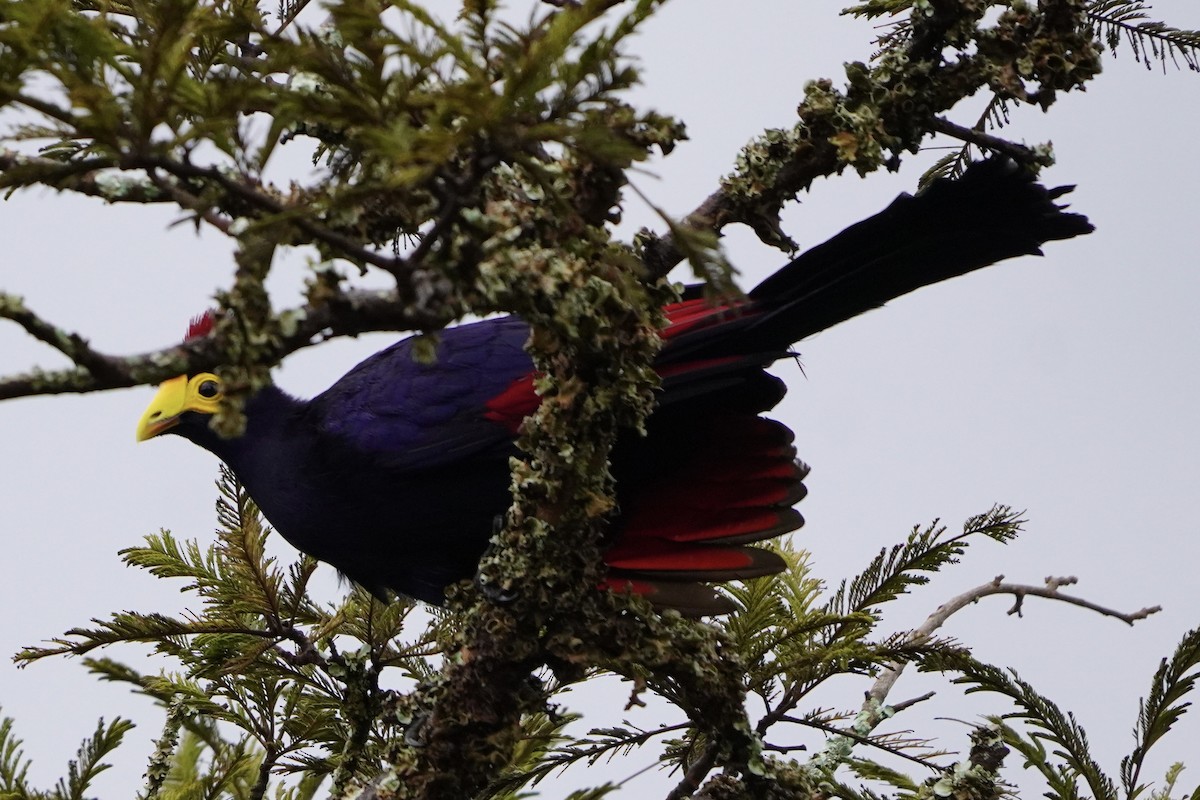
x=688 y=315
x=689 y=524
x=514 y=404
x=689 y=599
x=665 y=560
x=519 y=400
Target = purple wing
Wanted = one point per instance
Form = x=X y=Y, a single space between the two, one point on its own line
x=412 y=416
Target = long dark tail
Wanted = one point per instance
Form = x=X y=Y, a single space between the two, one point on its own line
x=994 y=211
x=712 y=477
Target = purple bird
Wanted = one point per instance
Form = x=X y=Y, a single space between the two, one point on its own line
x=396 y=473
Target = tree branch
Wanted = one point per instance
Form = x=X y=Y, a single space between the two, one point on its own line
x=97 y=366
x=91 y=177
x=348 y=313
x=348 y=247
x=879 y=691
x=874 y=710
x=860 y=738
x=897 y=100
x=985 y=141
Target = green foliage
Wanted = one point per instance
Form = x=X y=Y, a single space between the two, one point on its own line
x=81 y=771
x=893 y=572
x=13 y=764
x=299 y=683
x=1175 y=679
x=1047 y=722
x=547 y=748
x=481 y=165
x=297 y=679
x=1150 y=40
x=1069 y=758
x=88 y=764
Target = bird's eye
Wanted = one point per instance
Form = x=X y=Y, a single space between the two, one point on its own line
x=208 y=389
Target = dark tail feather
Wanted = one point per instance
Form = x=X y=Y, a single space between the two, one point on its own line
x=994 y=211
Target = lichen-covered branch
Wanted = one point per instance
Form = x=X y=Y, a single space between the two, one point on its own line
x=336 y=313
x=504 y=153
x=595 y=338
x=889 y=106
x=94 y=177
x=1027 y=55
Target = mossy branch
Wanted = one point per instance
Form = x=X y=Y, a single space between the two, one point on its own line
x=437 y=174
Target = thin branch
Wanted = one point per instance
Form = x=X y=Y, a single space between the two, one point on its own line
x=912 y=701
x=291 y=15
x=1050 y=591
x=695 y=774
x=97 y=638
x=48 y=109
x=85 y=177
x=889 y=675
x=347 y=313
x=95 y=364
x=350 y=248
x=867 y=740
x=91 y=177
x=451 y=207
x=1017 y=152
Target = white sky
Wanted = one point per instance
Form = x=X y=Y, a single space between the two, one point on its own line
x=1065 y=385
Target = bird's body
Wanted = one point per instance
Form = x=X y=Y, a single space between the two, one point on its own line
x=396 y=474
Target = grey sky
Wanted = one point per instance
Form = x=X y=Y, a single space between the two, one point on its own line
x=1066 y=385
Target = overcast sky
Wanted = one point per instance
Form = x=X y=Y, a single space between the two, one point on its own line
x=1065 y=385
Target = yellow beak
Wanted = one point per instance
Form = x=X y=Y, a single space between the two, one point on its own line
x=163 y=412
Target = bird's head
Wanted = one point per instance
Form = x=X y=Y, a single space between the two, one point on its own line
x=185 y=402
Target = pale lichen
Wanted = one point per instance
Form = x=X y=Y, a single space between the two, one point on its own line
x=114 y=186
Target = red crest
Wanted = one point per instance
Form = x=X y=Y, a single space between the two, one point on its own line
x=200 y=326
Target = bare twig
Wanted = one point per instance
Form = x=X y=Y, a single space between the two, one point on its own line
x=912 y=701
x=889 y=675
x=1017 y=152
x=874 y=711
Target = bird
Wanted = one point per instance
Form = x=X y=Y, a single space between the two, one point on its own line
x=397 y=474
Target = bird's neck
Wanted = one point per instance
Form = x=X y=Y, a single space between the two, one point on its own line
x=266 y=458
